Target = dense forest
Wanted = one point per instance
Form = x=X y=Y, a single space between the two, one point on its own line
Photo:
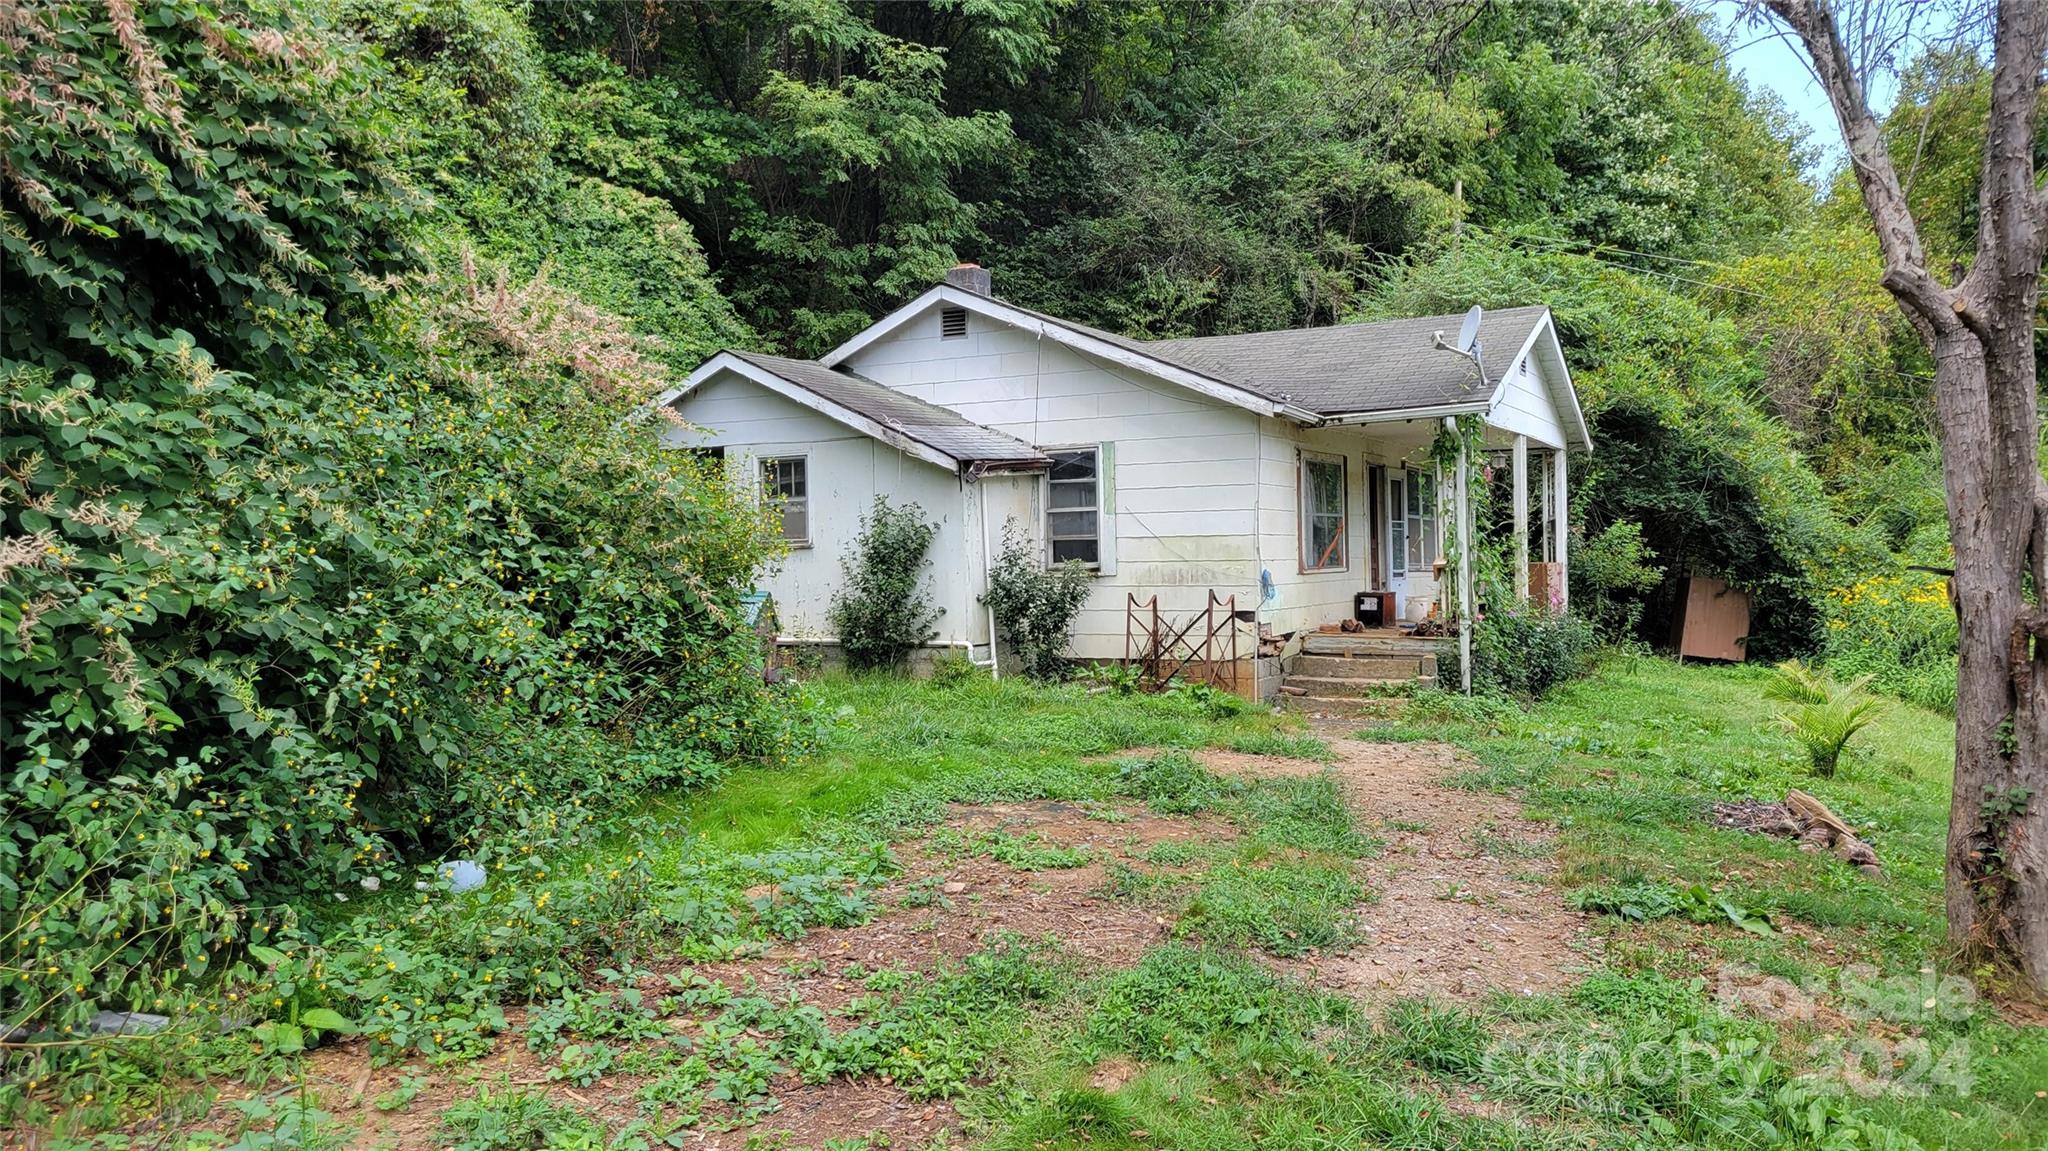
x=327 y=522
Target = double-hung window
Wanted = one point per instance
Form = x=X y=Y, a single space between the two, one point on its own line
x=1073 y=509
x=1322 y=514
x=785 y=485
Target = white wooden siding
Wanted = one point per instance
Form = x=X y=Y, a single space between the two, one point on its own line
x=1185 y=483
x=1525 y=408
x=846 y=470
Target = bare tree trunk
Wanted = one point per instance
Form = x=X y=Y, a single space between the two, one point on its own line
x=1986 y=398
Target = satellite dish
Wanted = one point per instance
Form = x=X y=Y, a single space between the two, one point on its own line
x=1468 y=332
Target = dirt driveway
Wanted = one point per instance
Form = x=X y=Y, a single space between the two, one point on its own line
x=1462 y=903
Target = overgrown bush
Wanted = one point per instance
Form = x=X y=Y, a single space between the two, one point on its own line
x=883 y=609
x=1035 y=606
x=1611 y=571
x=299 y=585
x=1528 y=651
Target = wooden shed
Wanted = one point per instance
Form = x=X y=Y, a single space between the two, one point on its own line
x=1712 y=620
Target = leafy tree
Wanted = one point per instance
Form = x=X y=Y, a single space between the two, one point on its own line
x=291 y=595
x=1717 y=486
x=1979 y=324
x=837 y=199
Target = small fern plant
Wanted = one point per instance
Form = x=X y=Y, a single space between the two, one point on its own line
x=1821 y=716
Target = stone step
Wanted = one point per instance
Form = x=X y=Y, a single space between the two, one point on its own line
x=1321 y=687
x=1365 y=643
x=1381 y=707
x=1405 y=666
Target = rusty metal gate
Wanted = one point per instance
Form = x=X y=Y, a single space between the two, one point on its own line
x=1196 y=651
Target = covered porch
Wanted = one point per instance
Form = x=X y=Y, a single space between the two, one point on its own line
x=1415 y=524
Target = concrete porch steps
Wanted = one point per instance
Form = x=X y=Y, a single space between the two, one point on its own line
x=1335 y=687
x=1383 y=707
x=1354 y=672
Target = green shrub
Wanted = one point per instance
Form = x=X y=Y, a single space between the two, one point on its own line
x=172 y=165
x=1611 y=571
x=1528 y=651
x=883 y=610
x=1035 y=606
x=266 y=639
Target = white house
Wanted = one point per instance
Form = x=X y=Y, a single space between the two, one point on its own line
x=1290 y=470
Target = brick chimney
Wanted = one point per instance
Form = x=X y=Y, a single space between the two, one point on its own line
x=970 y=276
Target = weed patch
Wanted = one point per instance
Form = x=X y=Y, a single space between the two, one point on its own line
x=1182 y=1003
x=1285 y=908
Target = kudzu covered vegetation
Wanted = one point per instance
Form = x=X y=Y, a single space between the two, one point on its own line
x=327 y=549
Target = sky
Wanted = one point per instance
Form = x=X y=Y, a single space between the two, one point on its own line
x=1771 y=63
x=1766 y=56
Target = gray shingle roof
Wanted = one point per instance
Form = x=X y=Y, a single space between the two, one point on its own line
x=935 y=427
x=1344 y=369
x=1347 y=368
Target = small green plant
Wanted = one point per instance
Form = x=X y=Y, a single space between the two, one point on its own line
x=1641 y=901
x=401 y=1096
x=883 y=610
x=1821 y=716
x=1030 y=852
x=957 y=671
x=506 y=1118
x=1121 y=678
x=1171 y=783
x=583 y=1063
x=1035 y=606
x=1208 y=700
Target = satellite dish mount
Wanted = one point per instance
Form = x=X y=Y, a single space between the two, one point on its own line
x=1468 y=340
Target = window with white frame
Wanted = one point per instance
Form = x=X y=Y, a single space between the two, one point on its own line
x=1073 y=506
x=786 y=486
x=1422 y=527
x=1322 y=513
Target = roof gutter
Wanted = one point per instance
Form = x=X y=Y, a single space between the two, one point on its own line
x=1398 y=415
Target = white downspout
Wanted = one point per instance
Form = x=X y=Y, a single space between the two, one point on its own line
x=995 y=669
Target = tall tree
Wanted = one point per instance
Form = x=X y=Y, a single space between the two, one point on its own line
x=1979 y=325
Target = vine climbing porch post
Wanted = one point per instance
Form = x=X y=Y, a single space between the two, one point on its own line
x=1462 y=509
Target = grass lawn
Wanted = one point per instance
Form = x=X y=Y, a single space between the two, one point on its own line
x=789 y=950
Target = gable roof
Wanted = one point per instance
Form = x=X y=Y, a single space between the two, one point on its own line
x=1354 y=373
x=937 y=435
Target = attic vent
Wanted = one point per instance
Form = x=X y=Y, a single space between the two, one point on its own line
x=952 y=323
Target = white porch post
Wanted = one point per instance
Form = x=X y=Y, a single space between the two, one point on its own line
x=1465 y=551
x=1546 y=487
x=1521 y=469
x=1561 y=533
